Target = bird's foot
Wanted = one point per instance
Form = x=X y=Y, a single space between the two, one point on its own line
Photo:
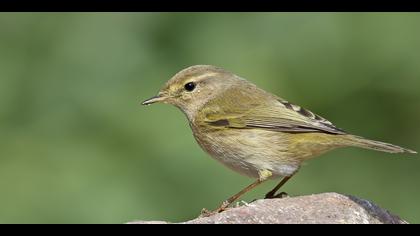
x=244 y=203
x=279 y=195
x=253 y=200
x=207 y=213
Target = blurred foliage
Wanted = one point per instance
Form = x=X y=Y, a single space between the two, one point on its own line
x=76 y=146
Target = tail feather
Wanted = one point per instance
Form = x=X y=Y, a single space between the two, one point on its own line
x=361 y=142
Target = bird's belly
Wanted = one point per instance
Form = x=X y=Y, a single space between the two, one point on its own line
x=249 y=151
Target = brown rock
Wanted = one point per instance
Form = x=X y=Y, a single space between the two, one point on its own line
x=325 y=208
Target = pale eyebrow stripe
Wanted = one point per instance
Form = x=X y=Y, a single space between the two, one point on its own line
x=203 y=76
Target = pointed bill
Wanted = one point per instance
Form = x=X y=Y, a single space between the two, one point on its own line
x=154 y=99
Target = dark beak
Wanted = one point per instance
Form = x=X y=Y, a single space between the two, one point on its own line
x=153 y=100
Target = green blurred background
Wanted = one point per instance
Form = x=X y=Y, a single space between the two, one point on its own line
x=76 y=146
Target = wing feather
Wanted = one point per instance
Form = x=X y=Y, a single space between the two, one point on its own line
x=257 y=109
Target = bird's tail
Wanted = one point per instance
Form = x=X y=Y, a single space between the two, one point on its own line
x=357 y=141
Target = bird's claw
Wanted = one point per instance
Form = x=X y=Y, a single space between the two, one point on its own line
x=207 y=213
x=279 y=195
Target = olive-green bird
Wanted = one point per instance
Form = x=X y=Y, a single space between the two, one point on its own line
x=250 y=130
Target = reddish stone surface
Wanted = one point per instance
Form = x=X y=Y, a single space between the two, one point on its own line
x=325 y=208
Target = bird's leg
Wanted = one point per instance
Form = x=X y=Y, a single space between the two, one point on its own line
x=232 y=199
x=272 y=193
x=263 y=176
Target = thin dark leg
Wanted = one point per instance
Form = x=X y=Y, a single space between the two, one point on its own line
x=232 y=199
x=263 y=176
x=272 y=193
x=225 y=204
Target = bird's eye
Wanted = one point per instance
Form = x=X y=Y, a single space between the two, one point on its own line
x=189 y=86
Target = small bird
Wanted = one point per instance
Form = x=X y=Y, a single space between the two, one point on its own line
x=252 y=131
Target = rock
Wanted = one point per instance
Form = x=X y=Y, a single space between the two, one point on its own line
x=325 y=208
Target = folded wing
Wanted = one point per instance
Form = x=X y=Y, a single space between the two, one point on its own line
x=257 y=109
